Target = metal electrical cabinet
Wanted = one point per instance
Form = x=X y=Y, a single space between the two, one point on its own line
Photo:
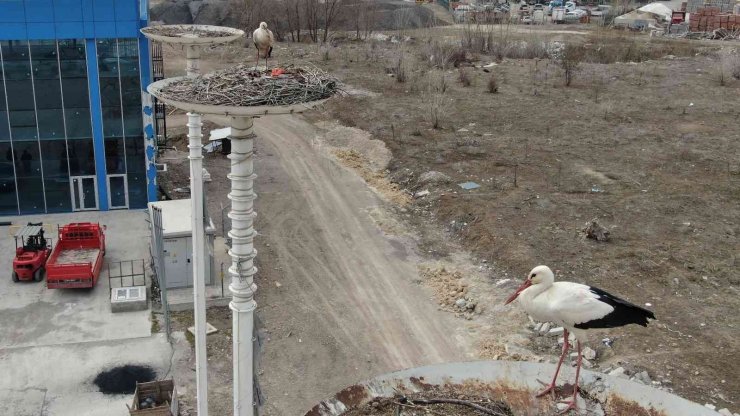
x=178 y=243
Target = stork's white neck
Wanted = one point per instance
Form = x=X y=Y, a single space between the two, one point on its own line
x=535 y=290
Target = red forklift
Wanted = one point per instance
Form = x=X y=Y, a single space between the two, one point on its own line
x=30 y=257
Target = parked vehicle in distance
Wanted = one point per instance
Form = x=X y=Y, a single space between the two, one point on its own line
x=77 y=258
x=569 y=6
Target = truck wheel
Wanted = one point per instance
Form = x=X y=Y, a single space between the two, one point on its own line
x=15 y=277
x=38 y=275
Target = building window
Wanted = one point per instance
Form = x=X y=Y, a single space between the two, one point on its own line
x=120 y=95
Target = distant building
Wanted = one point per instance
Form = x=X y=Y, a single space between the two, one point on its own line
x=75 y=124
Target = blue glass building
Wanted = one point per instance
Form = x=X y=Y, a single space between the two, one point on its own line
x=76 y=127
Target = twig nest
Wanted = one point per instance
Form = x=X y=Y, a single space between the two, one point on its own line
x=245 y=86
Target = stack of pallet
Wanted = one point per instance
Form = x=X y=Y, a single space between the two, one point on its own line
x=708 y=19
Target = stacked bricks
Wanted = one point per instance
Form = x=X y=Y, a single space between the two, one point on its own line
x=708 y=19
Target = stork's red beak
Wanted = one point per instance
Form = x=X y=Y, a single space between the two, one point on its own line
x=527 y=283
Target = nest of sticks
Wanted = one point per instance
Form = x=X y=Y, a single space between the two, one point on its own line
x=244 y=86
x=181 y=31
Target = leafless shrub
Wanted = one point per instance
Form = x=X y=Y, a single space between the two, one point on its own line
x=400 y=68
x=492 y=84
x=721 y=75
x=501 y=43
x=442 y=84
x=598 y=85
x=434 y=115
x=457 y=57
x=735 y=67
x=464 y=77
x=729 y=67
x=570 y=60
x=437 y=53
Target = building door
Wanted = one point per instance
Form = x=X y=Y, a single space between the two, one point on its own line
x=84 y=192
x=117 y=191
x=176 y=262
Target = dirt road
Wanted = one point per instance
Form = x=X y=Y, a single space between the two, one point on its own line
x=340 y=300
x=348 y=292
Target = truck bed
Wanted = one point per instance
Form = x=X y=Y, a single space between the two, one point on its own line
x=78 y=255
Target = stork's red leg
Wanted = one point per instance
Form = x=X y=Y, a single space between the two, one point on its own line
x=572 y=405
x=551 y=387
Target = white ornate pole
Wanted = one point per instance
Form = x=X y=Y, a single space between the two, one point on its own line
x=242 y=254
x=199 y=247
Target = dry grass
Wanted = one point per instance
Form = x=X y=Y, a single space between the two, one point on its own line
x=463 y=77
x=375 y=179
x=492 y=84
x=607 y=47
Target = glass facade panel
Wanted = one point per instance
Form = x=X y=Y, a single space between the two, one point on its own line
x=28 y=177
x=56 y=175
x=8 y=201
x=81 y=157
x=114 y=157
x=46 y=134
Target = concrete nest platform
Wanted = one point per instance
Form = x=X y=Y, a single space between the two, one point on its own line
x=501 y=387
x=192 y=34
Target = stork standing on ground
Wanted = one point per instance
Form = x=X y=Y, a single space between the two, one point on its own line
x=577 y=308
x=263 y=40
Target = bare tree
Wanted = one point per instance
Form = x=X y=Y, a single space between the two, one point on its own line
x=362 y=14
x=311 y=14
x=293 y=18
x=330 y=11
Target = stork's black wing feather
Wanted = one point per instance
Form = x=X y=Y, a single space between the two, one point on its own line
x=624 y=312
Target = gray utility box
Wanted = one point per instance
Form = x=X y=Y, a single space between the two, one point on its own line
x=177 y=234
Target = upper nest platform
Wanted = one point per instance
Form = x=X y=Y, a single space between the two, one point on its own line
x=244 y=91
x=192 y=34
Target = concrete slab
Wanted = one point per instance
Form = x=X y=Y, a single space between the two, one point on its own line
x=53 y=342
x=32 y=315
x=58 y=380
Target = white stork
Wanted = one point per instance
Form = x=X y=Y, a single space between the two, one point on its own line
x=575 y=307
x=263 y=40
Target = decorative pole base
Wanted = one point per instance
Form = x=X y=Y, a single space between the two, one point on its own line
x=242 y=254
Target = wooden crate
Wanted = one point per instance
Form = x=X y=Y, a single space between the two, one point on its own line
x=165 y=397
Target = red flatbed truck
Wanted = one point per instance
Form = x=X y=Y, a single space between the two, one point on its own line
x=77 y=257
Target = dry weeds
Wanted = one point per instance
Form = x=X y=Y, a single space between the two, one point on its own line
x=375 y=179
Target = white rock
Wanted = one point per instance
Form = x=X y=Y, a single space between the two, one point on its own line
x=433 y=177
x=725 y=412
x=644 y=377
x=421 y=194
x=502 y=282
x=588 y=353
x=537 y=327
x=710 y=406
x=561 y=406
x=460 y=303
x=545 y=328
x=556 y=331
x=618 y=372
x=586 y=363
